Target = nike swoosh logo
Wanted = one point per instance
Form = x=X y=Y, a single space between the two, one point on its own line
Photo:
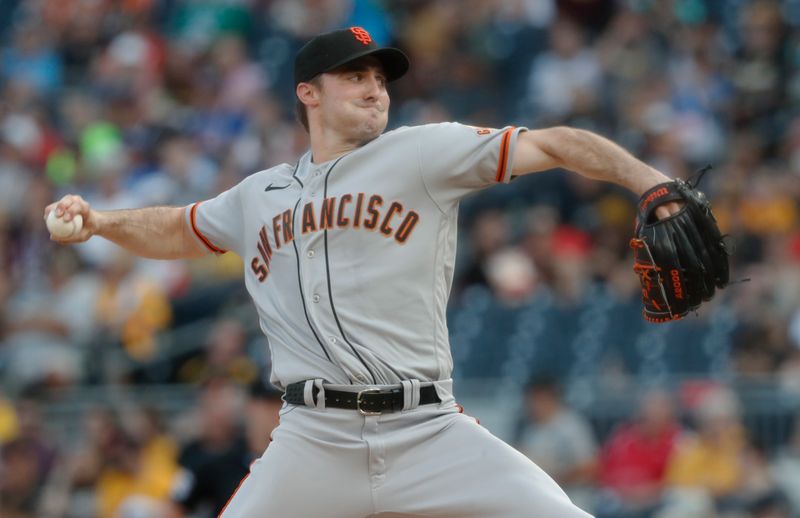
x=271 y=188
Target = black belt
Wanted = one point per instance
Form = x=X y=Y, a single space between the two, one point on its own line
x=370 y=401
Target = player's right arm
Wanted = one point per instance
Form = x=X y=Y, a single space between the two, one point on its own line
x=154 y=232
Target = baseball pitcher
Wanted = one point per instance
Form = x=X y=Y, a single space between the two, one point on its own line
x=349 y=258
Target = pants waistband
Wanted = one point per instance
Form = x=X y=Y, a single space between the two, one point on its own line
x=368 y=400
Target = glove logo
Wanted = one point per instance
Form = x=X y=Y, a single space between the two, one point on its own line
x=652 y=196
x=676 y=284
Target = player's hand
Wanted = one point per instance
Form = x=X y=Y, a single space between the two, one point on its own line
x=668 y=209
x=68 y=208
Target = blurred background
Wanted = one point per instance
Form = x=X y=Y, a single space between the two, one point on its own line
x=134 y=388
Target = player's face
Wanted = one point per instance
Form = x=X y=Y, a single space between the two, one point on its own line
x=354 y=101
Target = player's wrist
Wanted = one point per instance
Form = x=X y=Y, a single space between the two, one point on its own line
x=98 y=223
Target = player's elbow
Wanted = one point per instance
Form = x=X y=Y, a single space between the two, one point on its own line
x=556 y=141
x=190 y=247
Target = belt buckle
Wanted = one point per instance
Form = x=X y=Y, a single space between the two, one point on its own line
x=359 y=400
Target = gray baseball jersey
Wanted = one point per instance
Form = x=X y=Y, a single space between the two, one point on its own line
x=350 y=262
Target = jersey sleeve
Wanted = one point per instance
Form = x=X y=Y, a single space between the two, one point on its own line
x=456 y=159
x=218 y=223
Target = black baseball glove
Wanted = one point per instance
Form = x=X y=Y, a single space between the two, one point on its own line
x=682 y=259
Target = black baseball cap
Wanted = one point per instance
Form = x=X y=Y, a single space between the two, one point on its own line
x=333 y=49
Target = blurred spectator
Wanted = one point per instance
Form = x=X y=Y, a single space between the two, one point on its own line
x=9 y=423
x=564 y=81
x=570 y=248
x=225 y=356
x=700 y=93
x=100 y=431
x=214 y=464
x=559 y=441
x=630 y=52
x=761 y=494
x=489 y=234
x=120 y=466
x=711 y=460
x=158 y=449
x=633 y=461
x=128 y=472
x=190 y=175
x=20 y=479
x=33 y=429
x=267 y=137
x=26 y=460
x=785 y=468
x=131 y=308
x=47 y=324
x=262 y=415
x=511 y=276
x=31 y=60
x=242 y=81
x=759 y=72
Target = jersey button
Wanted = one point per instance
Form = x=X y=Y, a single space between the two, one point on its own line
x=310 y=254
x=332 y=339
x=315 y=298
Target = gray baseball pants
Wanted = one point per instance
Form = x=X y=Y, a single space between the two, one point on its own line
x=430 y=460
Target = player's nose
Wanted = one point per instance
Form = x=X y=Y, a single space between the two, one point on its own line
x=373 y=87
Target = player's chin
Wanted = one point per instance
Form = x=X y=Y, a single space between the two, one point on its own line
x=370 y=130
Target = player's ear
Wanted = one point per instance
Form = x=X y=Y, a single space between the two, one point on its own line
x=308 y=94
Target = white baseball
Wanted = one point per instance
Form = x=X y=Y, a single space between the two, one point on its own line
x=61 y=229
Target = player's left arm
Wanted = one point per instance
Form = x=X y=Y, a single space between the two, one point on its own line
x=587 y=154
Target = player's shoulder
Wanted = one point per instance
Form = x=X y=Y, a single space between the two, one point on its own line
x=423 y=131
x=421 y=128
x=443 y=128
x=278 y=172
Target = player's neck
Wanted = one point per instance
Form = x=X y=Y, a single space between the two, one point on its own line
x=329 y=145
x=326 y=149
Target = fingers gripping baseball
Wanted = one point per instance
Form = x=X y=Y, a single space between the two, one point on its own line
x=70 y=220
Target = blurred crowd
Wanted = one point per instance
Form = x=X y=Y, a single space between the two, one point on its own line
x=140 y=102
x=663 y=462
x=132 y=460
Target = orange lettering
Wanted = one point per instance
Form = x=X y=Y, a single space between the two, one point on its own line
x=342 y=221
x=276 y=229
x=385 y=228
x=677 y=287
x=309 y=222
x=374 y=202
x=326 y=213
x=357 y=215
x=288 y=235
x=406 y=227
x=259 y=269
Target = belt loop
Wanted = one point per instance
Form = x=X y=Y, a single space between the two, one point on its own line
x=320 y=393
x=314 y=398
x=410 y=394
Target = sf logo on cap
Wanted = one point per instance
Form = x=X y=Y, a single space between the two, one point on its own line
x=361 y=35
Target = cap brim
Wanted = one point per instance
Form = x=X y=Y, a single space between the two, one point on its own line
x=394 y=61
